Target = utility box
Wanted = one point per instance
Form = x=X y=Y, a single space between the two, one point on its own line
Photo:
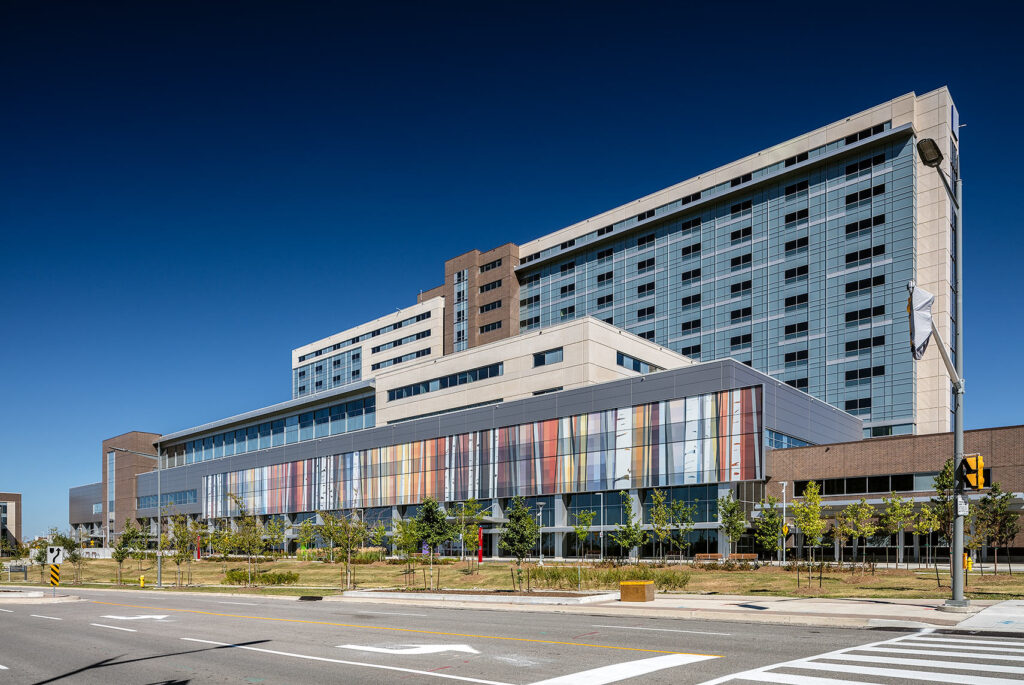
x=636 y=591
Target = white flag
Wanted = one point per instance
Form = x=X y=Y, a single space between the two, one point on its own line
x=919 y=307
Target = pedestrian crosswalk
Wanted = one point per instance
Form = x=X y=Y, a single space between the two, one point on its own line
x=924 y=656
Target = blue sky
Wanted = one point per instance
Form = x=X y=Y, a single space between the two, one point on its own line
x=192 y=189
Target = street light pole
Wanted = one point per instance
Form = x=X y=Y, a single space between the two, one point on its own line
x=600 y=533
x=931 y=156
x=540 y=535
x=783 y=521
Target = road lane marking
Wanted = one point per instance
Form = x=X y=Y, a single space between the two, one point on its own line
x=155 y=617
x=932 y=652
x=930 y=663
x=446 y=676
x=127 y=630
x=901 y=674
x=416 y=649
x=7 y=611
x=787 y=679
x=52 y=618
x=3 y=668
x=627 y=669
x=962 y=642
x=931 y=645
x=389 y=613
x=403 y=630
x=246 y=604
x=663 y=630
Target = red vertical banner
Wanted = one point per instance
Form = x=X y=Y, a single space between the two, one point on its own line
x=199 y=548
x=480 y=545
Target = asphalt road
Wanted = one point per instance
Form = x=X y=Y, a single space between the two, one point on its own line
x=134 y=637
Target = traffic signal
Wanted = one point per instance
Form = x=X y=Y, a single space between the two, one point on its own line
x=974 y=471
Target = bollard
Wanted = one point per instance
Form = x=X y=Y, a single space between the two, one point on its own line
x=142 y=581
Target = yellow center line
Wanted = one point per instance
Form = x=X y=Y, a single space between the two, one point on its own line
x=401 y=630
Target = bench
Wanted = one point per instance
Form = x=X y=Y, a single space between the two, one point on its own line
x=707 y=557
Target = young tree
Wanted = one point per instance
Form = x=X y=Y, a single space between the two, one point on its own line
x=379 y=538
x=274 y=532
x=184 y=543
x=1002 y=523
x=683 y=515
x=841 y=531
x=584 y=519
x=926 y=523
x=434 y=529
x=896 y=516
x=630 y=534
x=406 y=539
x=861 y=519
x=119 y=554
x=351 y=534
x=329 y=530
x=661 y=519
x=732 y=521
x=307 y=534
x=223 y=541
x=943 y=503
x=469 y=515
x=248 y=536
x=807 y=516
x=768 y=526
x=72 y=551
x=520 y=534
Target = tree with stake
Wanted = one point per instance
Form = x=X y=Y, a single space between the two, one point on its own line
x=807 y=515
x=520 y=534
x=379 y=538
x=307 y=534
x=351 y=534
x=584 y=519
x=897 y=514
x=683 y=515
x=470 y=516
x=661 y=519
x=841 y=532
x=768 y=526
x=406 y=539
x=120 y=553
x=329 y=530
x=926 y=523
x=732 y=520
x=943 y=503
x=630 y=534
x=434 y=529
x=1004 y=524
x=861 y=518
x=274 y=532
x=248 y=536
x=223 y=542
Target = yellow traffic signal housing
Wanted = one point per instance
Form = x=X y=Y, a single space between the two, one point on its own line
x=974 y=471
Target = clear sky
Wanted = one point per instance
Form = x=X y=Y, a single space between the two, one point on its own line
x=189 y=190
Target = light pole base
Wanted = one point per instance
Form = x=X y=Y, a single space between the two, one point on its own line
x=956 y=606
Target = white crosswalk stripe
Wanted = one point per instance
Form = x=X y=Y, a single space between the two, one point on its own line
x=899 y=660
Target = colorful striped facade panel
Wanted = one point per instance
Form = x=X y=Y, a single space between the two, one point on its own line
x=704 y=439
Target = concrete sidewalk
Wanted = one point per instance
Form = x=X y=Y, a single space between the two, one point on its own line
x=851 y=613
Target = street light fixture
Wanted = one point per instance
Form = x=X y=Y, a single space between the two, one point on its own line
x=931 y=156
x=159 y=521
x=540 y=535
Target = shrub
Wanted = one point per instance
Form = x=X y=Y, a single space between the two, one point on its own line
x=565 y=577
x=239 y=576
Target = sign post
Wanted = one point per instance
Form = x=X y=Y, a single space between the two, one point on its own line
x=480 y=545
x=54 y=557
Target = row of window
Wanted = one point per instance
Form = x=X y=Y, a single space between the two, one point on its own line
x=487 y=328
x=449 y=381
x=394 y=343
x=633 y=364
x=490 y=265
x=179 y=498
x=368 y=335
x=882 y=484
x=547 y=357
x=398 y=360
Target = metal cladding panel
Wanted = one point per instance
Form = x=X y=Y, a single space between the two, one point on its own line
x=80 y=501
x=785 y=409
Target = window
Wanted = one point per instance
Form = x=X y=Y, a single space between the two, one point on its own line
x=796 y=188
x=604 y=278
x=530 y=258
x=866 y=133
x=794 y=217
x=858 y=315
x=547 y=357
x=644 y=216
x=567 y=268
x=450 y=381
x=858 y=407
x=567 y=312
x=796 y=358
x=690 y=301
x=690 y=225
x=795 y=330
x=796 y=159
x=855 y=346
x=605 y=301
x=490 y=265
x=864 y=195
x=858 y=257
x=567 y=290
x=604 y=255
x=302 y=373
x=857 y=376
x=490 y=327
x=740 y=288
x=798 y=383
x=740 y=262
x=645 y=266
x=319 y=384
x=532 y=279
x=796 y=274
x=529 y=323
x=740 y=235
x=690 y=198
x=337 y=363
x=529 y=301
x=490 y=286
x=567 y=244
x=645 y=241
x=690 y=276
x=737 y=315
x=645 y=289
x=855 y=287
x=302 y=388
x=336 y=379
x=634 y=364
x=647 y=335
x=398 y=360
x=794 y=246
x=605 y=230
x=796 y=301
x=546 y=391
x=690 y=326
x=740 y=180
x=857 y=228
x=741 y=207
x=864 y=164
x=645 y=314
x=690 y=250
x=739 y=342
x=692 y=351
x=319 y=368
x=610 y=320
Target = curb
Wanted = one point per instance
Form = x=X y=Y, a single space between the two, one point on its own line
x=442 y=598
